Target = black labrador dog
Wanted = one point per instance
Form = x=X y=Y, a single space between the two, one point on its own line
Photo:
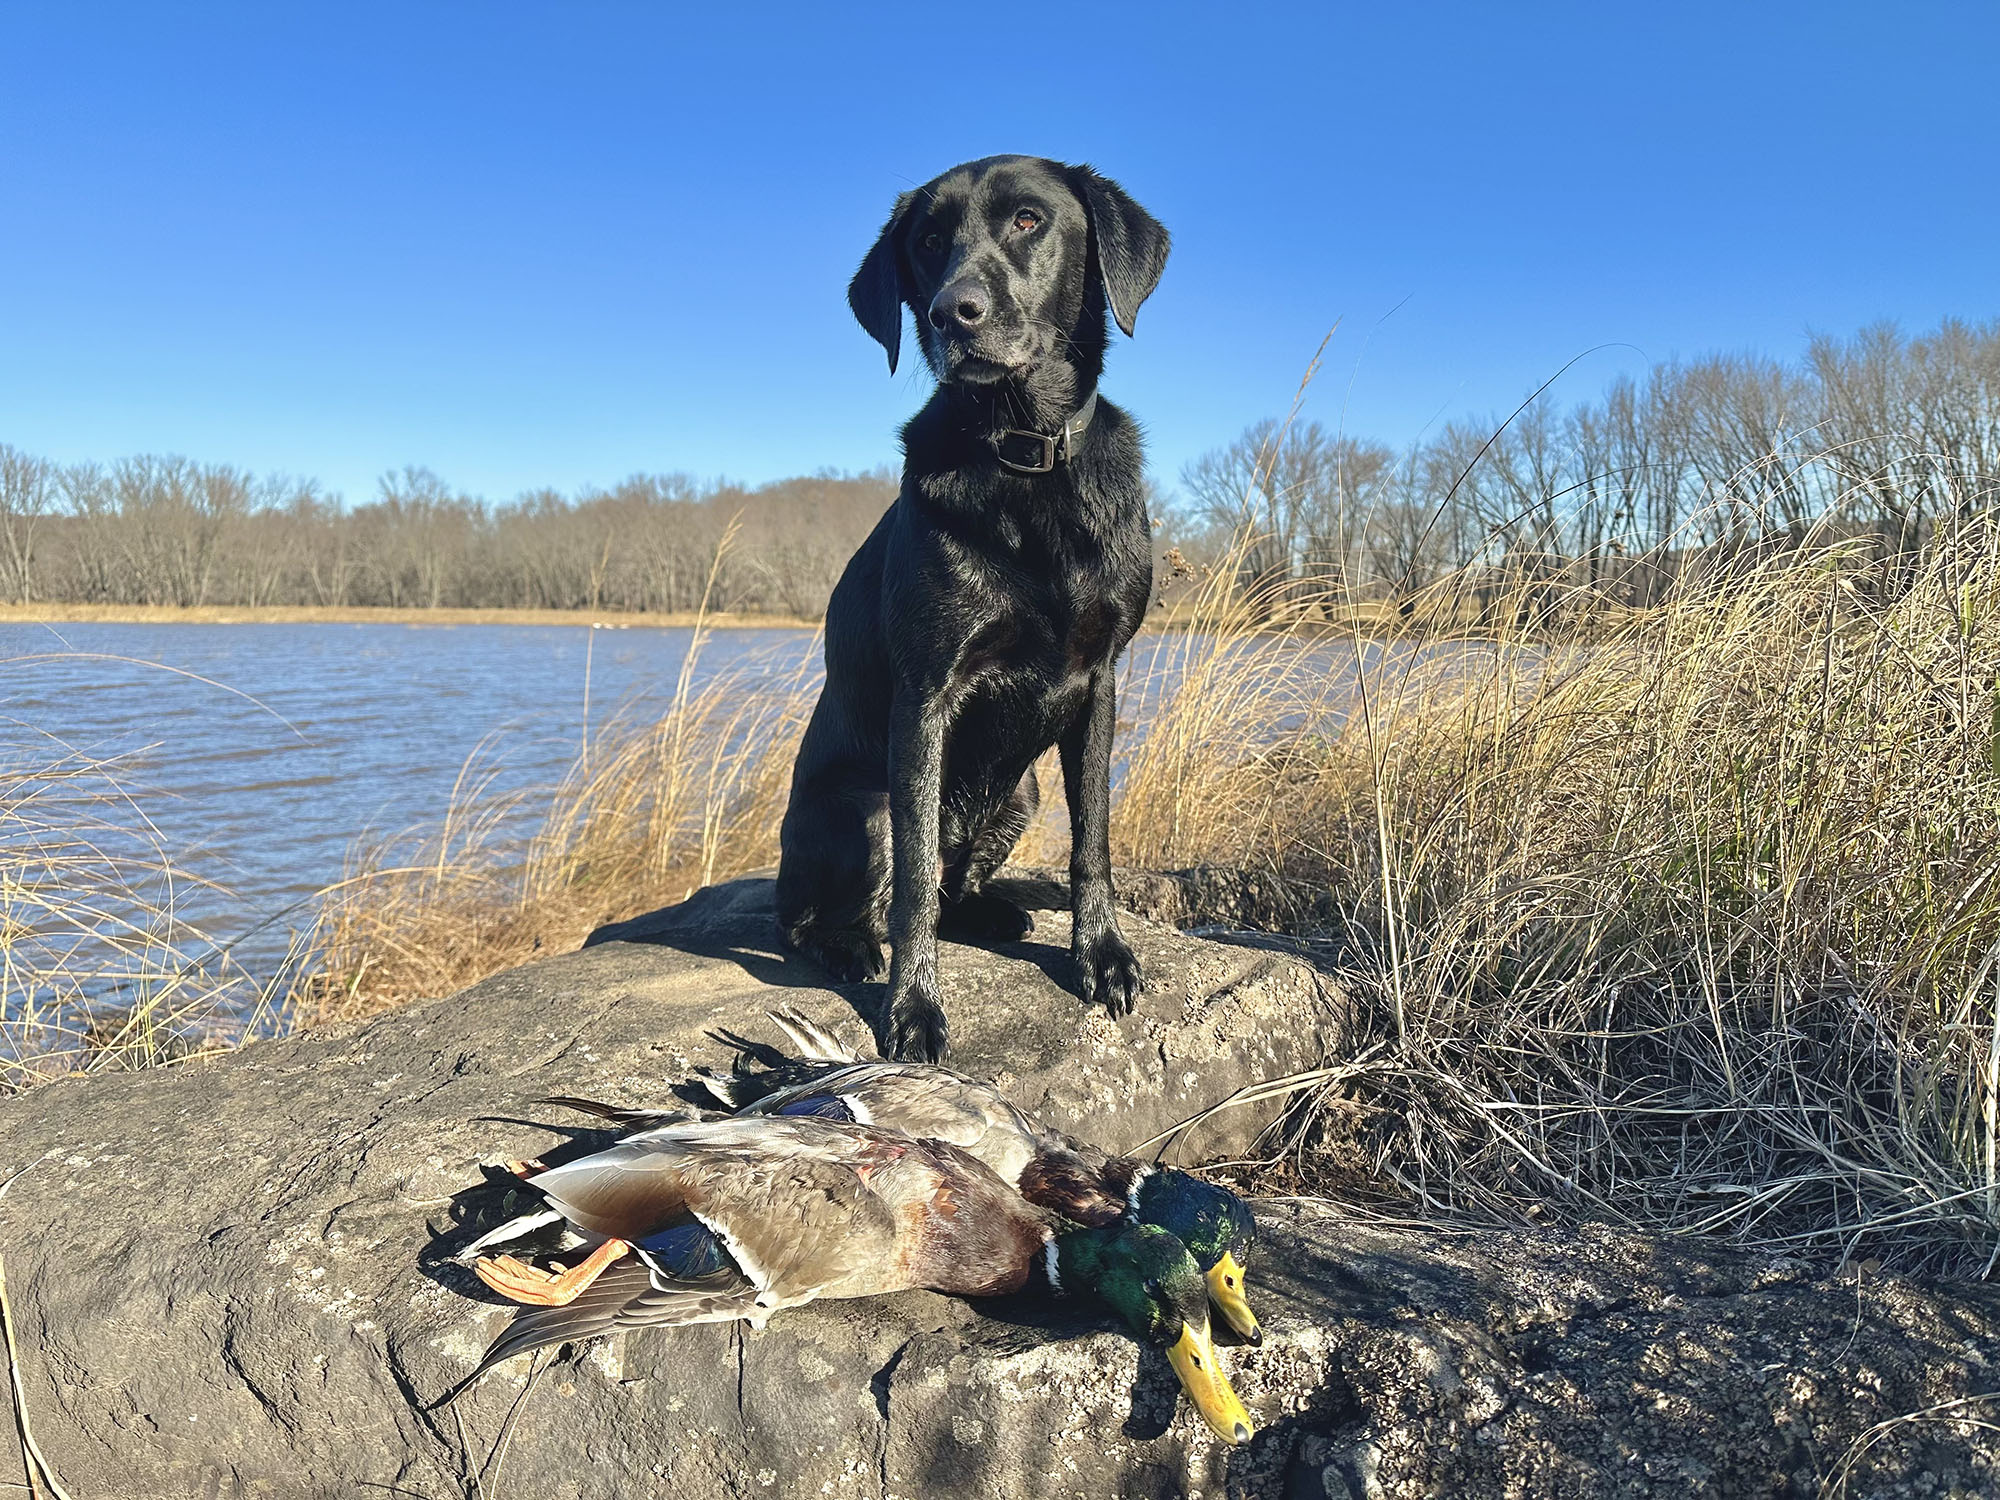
x=981 y=621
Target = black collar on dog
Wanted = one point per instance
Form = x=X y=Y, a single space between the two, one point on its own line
x=1038 y=452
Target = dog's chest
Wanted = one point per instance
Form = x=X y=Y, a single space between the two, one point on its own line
x=1051 y=628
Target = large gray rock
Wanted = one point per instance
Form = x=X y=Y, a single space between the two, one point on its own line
x=223 y=1274
x=224 y=1285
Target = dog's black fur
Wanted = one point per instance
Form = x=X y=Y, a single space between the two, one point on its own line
x=981 y=621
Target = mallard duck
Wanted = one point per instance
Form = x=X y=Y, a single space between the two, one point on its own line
x=708 y=1221
x=1048 y=1167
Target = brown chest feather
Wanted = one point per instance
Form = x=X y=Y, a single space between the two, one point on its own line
x=1063 y=1184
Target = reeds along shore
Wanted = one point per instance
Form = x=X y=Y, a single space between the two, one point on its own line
x=1685 y=917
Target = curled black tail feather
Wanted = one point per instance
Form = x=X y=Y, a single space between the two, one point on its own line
x=632 y=1119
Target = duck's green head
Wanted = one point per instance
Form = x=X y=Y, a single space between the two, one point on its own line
x=1152 y=1282
x=1217 y=1229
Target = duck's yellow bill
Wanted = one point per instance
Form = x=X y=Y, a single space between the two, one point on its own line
x=1225 y=1290
x=1193 y=1359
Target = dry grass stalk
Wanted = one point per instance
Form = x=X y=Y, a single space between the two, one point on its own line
x=41 y=1474
x=1687 y=917
x=100 y=967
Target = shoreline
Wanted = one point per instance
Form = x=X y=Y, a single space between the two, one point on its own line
x=371 y=614
x=1378 y=625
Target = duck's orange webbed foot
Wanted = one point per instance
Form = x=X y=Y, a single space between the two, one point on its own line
x=522 y=1282
x=527 y=1168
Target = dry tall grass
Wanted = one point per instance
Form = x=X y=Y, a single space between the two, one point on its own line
x=652 y=810
x=100 y=966
x=1687 y=918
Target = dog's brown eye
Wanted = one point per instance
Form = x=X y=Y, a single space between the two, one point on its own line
x=932 y=243
x=1026 y=219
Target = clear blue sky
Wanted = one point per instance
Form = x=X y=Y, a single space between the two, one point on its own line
x=556 y=244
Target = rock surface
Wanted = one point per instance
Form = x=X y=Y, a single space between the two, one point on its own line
x=230 y=1279
x=222 y=1274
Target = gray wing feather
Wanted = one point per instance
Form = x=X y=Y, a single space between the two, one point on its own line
x=626 y=1296
x=924 y=1100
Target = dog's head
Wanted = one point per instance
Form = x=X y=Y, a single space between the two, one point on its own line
x=1009 y=264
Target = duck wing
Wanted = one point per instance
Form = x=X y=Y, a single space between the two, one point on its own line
x=1048 y=1167
x=919 y=1099
x=739 y=1217
x=630 y=1294
x=805 y=1207
x=825 y=1079
x=948 y=1220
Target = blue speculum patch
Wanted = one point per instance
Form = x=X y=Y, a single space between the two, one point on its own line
x=687 y=1250
x=821 y=1106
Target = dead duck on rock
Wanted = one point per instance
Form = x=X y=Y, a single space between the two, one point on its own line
x=1048 y=1167
x=709 y=1221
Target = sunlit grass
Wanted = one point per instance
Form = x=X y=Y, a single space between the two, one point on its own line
x=1686 y=918
x=100 y=967
x=653 y=809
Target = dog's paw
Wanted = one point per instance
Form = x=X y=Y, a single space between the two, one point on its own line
x=982 y=918
x=1112 y=973
x=849 y=955
x=918 y=1032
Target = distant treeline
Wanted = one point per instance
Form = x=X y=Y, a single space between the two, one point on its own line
x=1880 y=437
x=172 y=531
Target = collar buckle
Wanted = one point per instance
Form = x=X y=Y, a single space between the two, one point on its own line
x=1027 y=452
x=1039 y=452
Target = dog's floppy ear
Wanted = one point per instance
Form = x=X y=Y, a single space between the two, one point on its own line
x=1130 y=244
x=876 y=292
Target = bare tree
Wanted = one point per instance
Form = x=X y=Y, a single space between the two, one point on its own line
x=1301 y=494
x=27 y=491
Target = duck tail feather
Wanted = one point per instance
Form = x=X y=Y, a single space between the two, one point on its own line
x=731 y=1090
x=618 y=1114
x=810 y=1039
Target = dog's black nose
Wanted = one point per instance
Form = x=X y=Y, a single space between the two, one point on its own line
x=964 y=303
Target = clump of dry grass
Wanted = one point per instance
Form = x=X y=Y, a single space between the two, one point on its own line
x=1686 y=918
x=100 y=967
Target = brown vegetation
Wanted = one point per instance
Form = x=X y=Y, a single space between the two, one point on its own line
x=99 y=967
x=170 y=532
x=1690 y=924
x=652 y=812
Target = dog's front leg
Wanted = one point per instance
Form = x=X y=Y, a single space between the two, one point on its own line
x=917 y=1030
x=1111 y=973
